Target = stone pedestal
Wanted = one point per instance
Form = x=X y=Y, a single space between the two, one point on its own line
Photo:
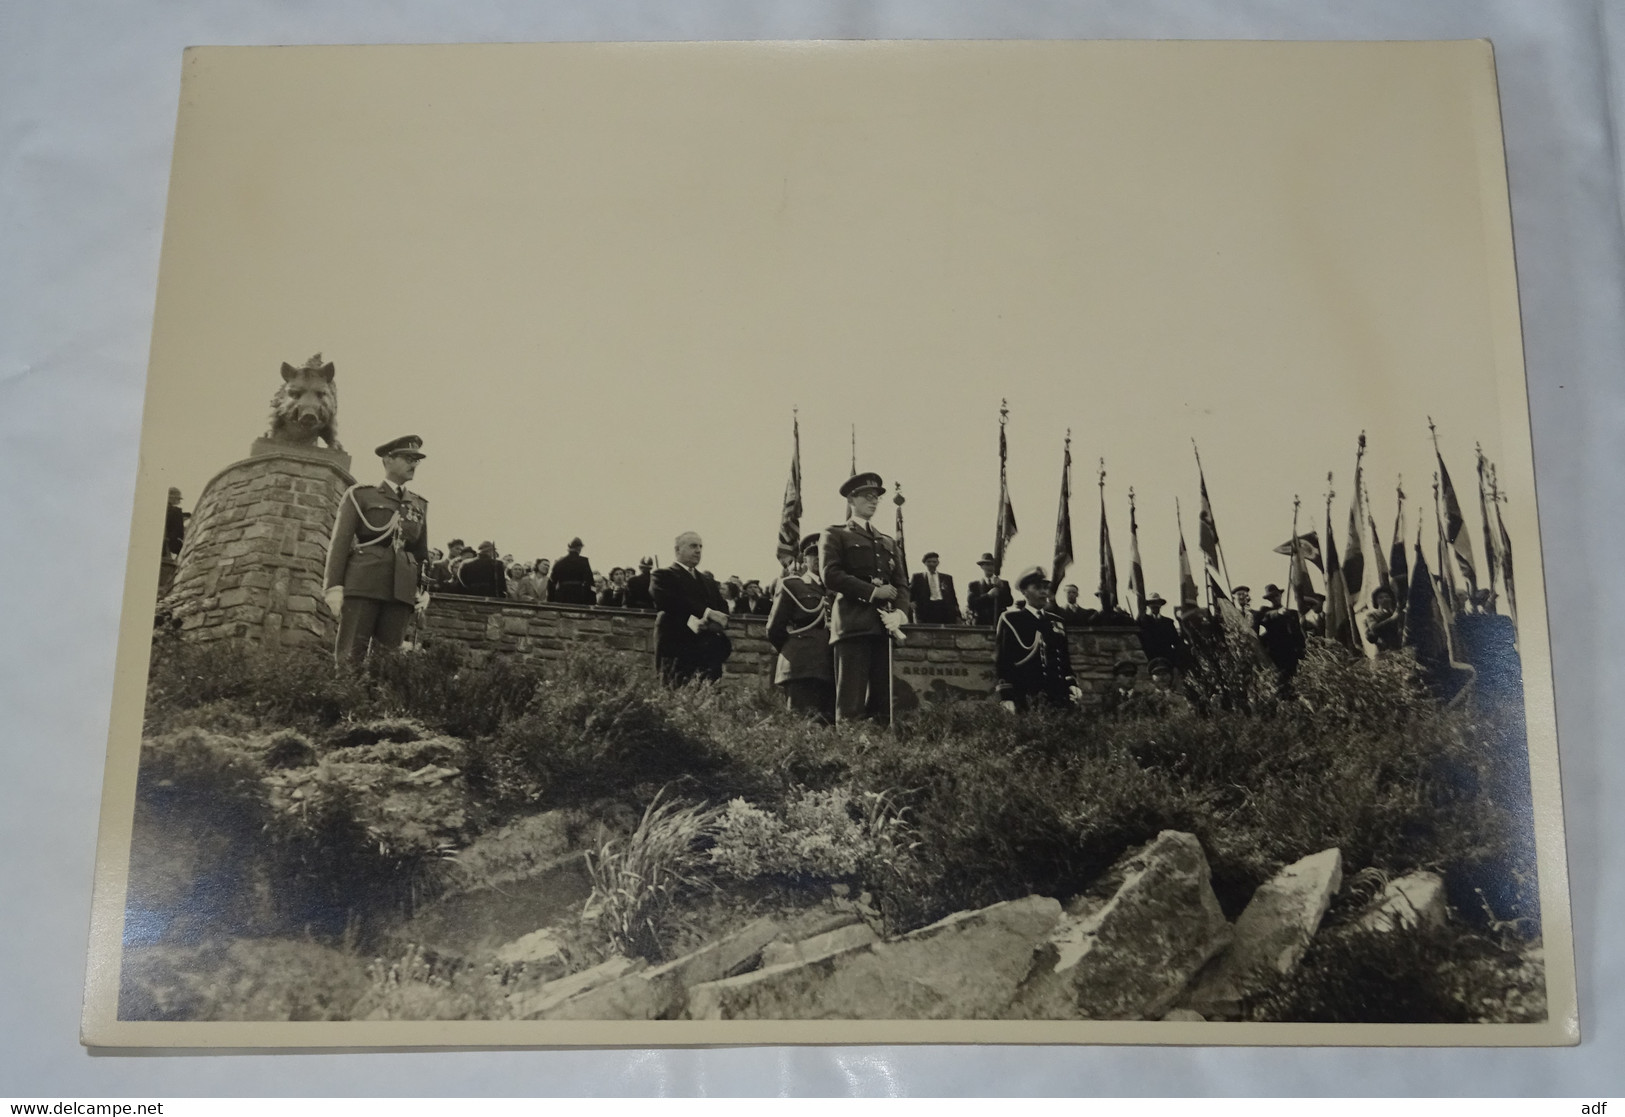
x=252 y=564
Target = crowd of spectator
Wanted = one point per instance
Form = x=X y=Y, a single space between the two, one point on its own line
x=570 y=579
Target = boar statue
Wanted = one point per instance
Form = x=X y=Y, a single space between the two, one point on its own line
x=306 y=406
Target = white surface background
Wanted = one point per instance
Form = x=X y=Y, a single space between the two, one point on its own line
x=87 y=108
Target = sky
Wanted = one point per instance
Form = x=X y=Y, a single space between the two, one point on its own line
x=601 y=281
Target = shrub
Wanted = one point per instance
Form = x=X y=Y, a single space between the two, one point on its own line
x=1444 y=975
x=821 y=837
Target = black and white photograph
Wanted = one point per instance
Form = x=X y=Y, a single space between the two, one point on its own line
x=835 y=542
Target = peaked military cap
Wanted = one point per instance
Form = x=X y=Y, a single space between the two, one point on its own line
x=407 y=445
x=808 y=543
x=1030 y=575
x=860 y=482
x=1241 y=589
x=1126 y=667
x=1272 y=590
x=928 y=556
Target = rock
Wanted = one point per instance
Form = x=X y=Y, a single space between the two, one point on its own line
x=1129 y=953
x=1406 y=904
x=660 y=993
x=476 y=922
x=964 y=967
x=539 y=952
x=537 y=1003
x=1273 y=932
x=1184 y=1015
x=819 y=946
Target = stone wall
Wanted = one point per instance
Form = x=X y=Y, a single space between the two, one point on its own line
x=252 y=564
x=936 y=663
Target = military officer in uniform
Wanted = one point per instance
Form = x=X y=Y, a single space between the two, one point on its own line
x=570 y=583
x=1031 y=658
x=798 y=629
x=864 y=571
x=375 y=558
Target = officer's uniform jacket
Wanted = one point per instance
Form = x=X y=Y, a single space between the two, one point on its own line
x=798 y=629
x=851 y=557
x=379 y=545
x=1031 y=656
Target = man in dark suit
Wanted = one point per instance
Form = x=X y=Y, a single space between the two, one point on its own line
x=570 y=582
x=1281 y=632
x=637 y=586
x=483 y=575
x=1031 y=657
x=864 y=570
x=989 y=596
x=1071 y=613
x=935 y=601
x=689 y=638
x=1159 y=638
x=376 y=554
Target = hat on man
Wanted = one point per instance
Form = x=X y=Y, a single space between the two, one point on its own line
x=646 y=563
x=808 y=543
x=929 y=555
x=1156 y=599
x=1272 y=591
x=986 y=559
x=1159 y=665
x=1311 y=597
x=488 y=548
x=575 y=544
x=407 y=446
x=1241 y=589
x=1126 y=667
x=863 y=482
x=1030 y=575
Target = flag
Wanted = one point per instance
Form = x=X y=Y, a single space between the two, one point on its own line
x=1339 y=618
x=1302 y=584
x=1446 y=576
x=1354 y=555
x=1506 y=565
x=1208 y=532
x=1384 y=577
x=1455 y=524
x=1491 y=544
x=1397 y=571
x=1136 y=571
x=790 y=516
x=1108 y=562
x=1308 y=546
x=1427 y=628
x=1189 y=596
x=1063 y=520
x=1006 y=527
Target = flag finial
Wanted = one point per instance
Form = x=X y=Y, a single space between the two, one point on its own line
x=1102 y=473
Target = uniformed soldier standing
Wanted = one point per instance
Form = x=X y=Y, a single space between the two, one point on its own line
x=798 y=629
x=864 y=571
x=375 y=558
x=1031 y=658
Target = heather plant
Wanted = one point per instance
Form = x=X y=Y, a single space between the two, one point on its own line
x=818 y=837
